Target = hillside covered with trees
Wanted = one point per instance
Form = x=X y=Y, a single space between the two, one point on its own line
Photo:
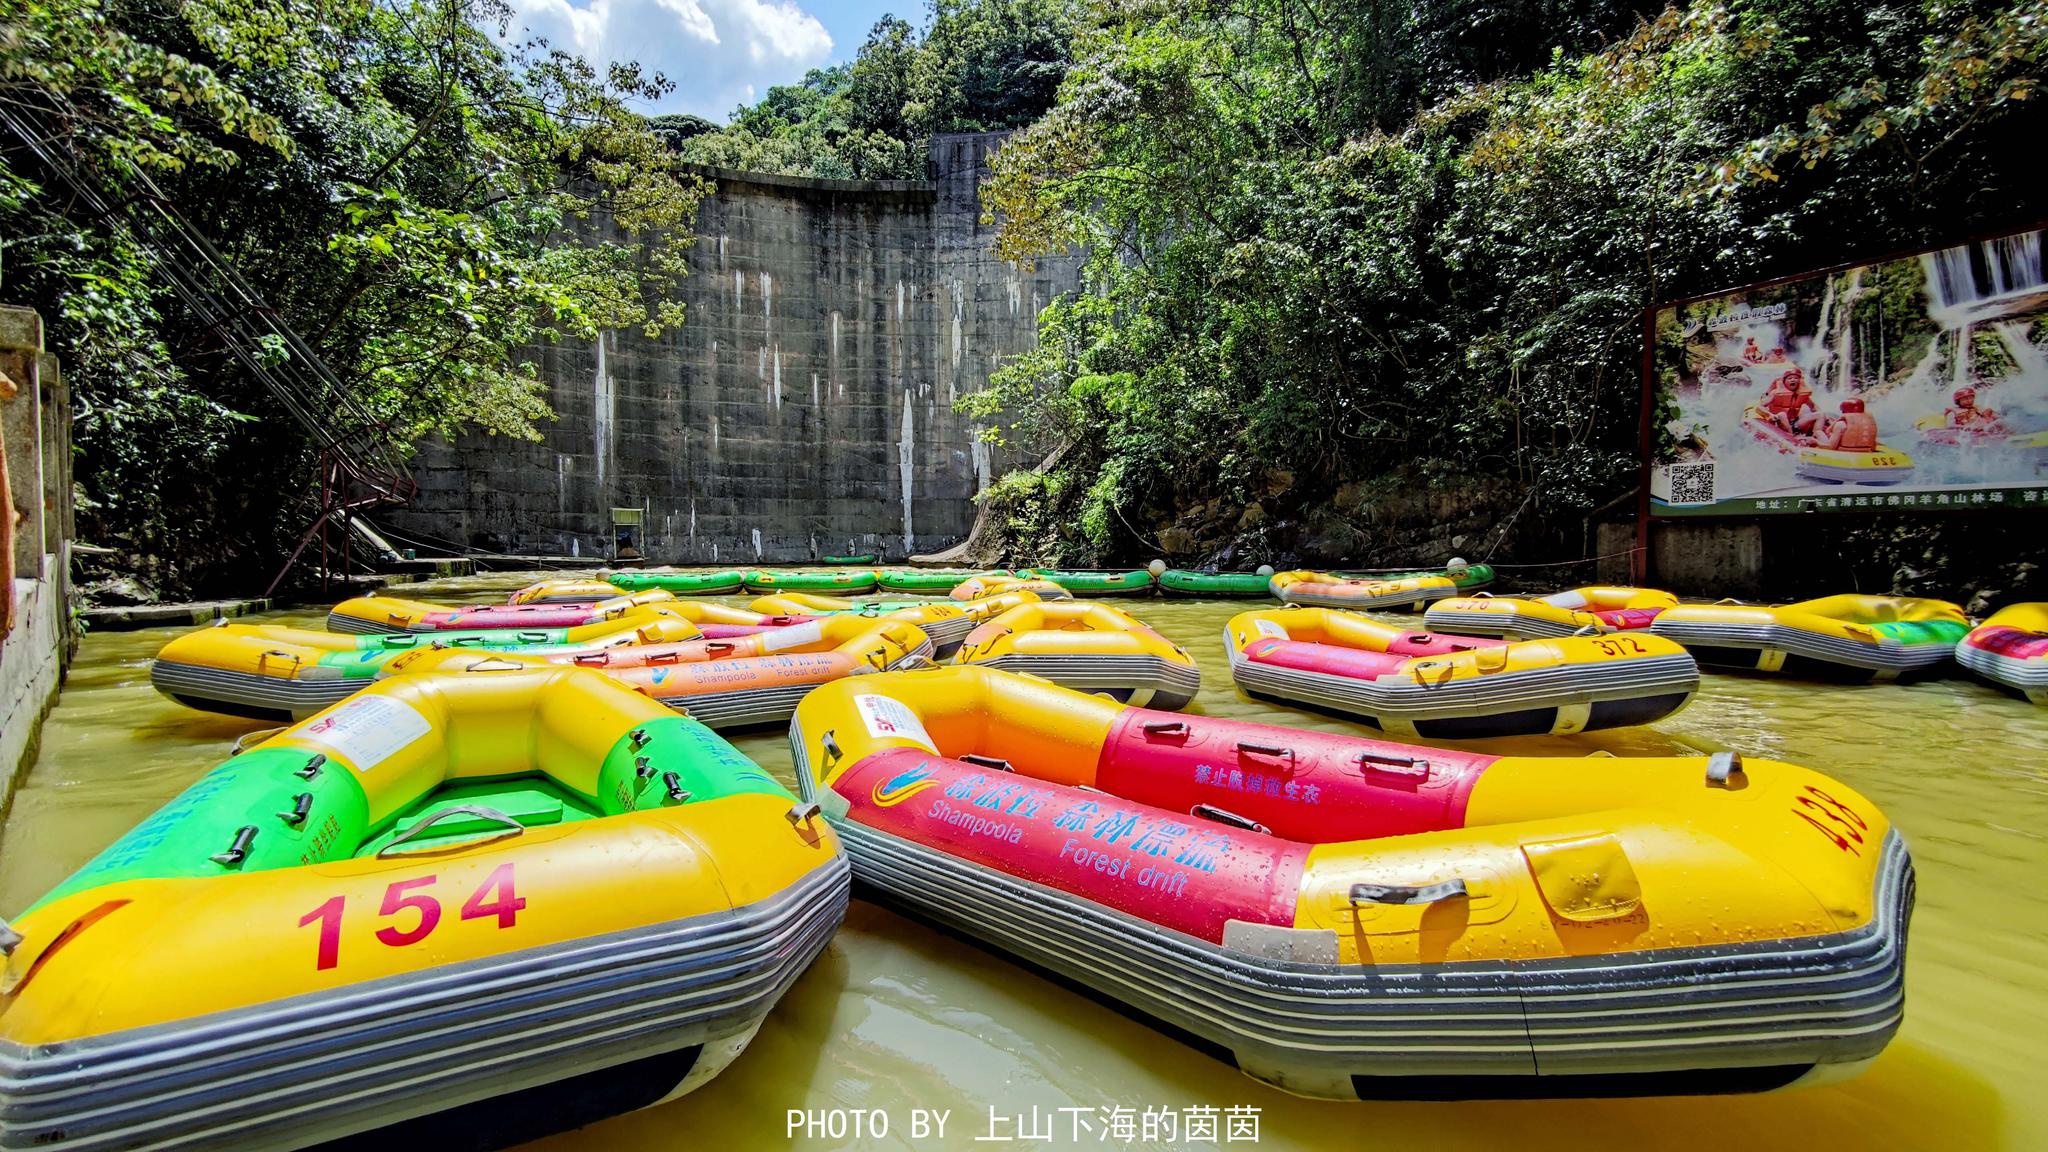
x=1364 y=277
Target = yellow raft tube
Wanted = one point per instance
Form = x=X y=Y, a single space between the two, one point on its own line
x=526 y=899
x=987 y=587
x=1354 y=918
x=1455 y=687
x=1847 y=637
x=1090 y=647
x=1598 y=609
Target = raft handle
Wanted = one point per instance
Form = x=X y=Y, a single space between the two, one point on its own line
x=1722 y=765
x=639 y=737
x=995 y=762
x=1404 y=766
x=1166 y=728
x=512 y=826
x=831 y=748
x=239 y=850
x=312 y=767
x=302 y=807
x=1225 y=816
x=9 y=938
x=674 y=784
x=803 y=813
x=641 y=768
x=1274 y=750
x=1407 y=893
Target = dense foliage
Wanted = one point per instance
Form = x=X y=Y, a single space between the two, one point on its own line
x=394 y=179
x=1333 y=244
x=978 y=66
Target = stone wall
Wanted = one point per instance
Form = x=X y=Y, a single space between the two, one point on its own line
x=805 y=408
x=35 y=455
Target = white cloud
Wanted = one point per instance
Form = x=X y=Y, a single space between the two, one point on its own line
x=718 y=53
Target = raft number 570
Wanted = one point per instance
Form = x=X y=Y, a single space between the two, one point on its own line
x=495 y=897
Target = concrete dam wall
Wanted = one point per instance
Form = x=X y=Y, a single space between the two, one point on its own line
x=804 y=409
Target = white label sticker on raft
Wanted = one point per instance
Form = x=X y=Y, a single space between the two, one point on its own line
x=793 y=636
x=889 y=719
x=1270 y=628
x=367 y=730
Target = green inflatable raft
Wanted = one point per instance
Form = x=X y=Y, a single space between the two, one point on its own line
x=1136 y=582
x=728 y=582
x=927 y=581
x=855 y=583
x=860 y=561
x=1181 y=582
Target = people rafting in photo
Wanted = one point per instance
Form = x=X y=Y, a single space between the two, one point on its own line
x=1788 y=403
x=1853 y=431
x=1965 y=414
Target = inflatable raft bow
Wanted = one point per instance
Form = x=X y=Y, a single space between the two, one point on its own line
x=1354 y=918
x=1249 y=585
x=413 y=904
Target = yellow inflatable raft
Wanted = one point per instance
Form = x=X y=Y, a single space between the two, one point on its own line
x=272 y=672
x=1595 y=610
x=1091 y=647
x=730 y=683
x=564 y=591
x=521 y=900
x=1455 y=687
x=387 y=614
x=1324 y=590
x=946 y=622
x=2011 y=649
x=985 y=587
x=1835 y=637
x=1354 y=918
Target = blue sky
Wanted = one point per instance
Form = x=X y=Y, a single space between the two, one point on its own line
x=719 y=53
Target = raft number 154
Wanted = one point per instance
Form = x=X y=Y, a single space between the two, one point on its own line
x=495 y=897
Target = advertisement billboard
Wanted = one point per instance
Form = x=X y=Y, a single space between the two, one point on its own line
x=1919 y=382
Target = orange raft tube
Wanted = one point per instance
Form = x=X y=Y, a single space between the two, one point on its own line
x=1354 y=918
x=1597 y=609
x=733 y=683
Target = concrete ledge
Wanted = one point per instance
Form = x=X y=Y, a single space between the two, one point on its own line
x=31 y=670
x=129 y=619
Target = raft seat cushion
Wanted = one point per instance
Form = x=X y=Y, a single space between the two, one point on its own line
x=2014 y=642
x=1328 y=659
x=1629 y=618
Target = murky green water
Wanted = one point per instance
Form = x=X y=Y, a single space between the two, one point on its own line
x=895 y=1016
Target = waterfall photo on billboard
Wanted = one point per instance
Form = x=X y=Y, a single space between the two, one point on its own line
x=1917 y=382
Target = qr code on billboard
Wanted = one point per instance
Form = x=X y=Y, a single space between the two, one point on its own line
x=1692 y=483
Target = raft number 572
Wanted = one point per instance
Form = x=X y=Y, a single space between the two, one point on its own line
x=495 y=897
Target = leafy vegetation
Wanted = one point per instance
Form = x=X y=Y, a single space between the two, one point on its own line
x=1334 y=243
x=978 y=66
x=395 y=181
